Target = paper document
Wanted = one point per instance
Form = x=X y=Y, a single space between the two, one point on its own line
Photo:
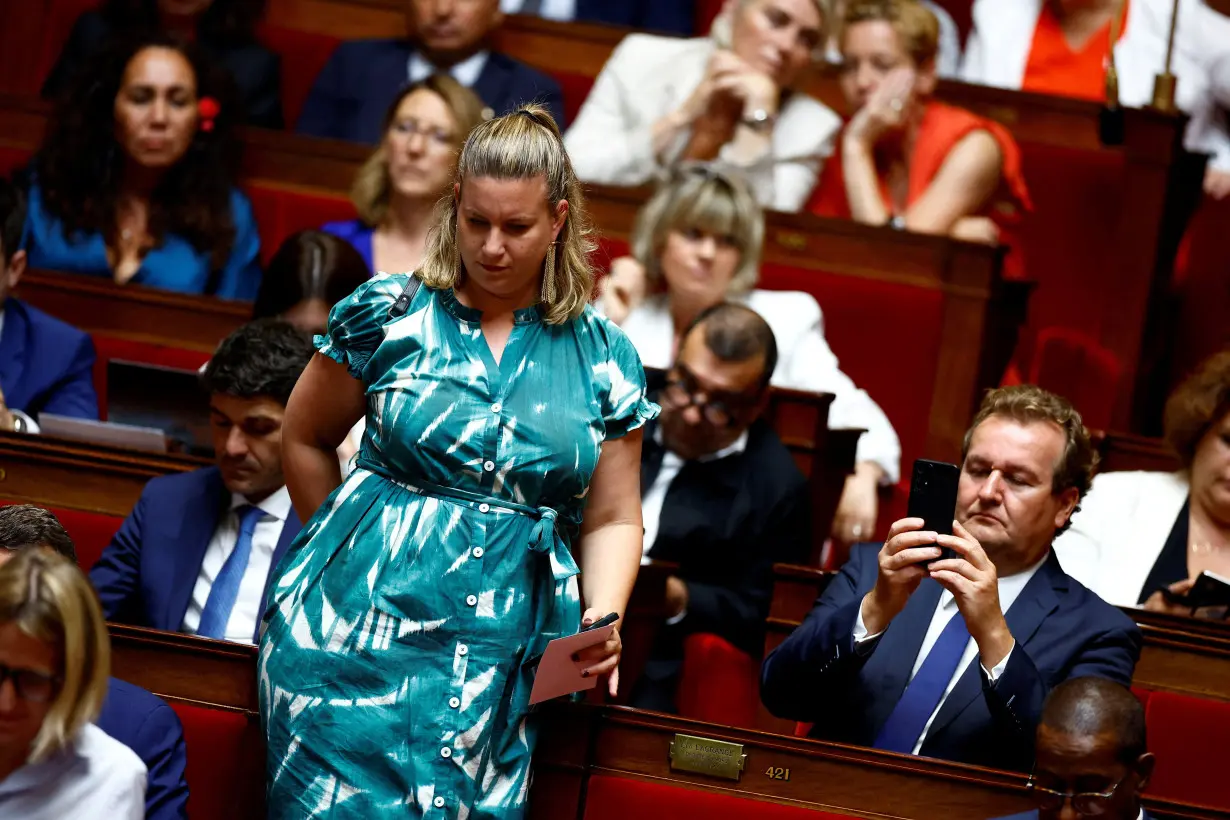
x=558 y=674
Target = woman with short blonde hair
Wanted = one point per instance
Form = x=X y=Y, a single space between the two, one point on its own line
x=54 y=662
x=697 y=243
x=396 y=189
x=502 y=437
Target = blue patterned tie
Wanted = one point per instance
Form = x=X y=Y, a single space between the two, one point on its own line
x=225 y=589
x=909 y=717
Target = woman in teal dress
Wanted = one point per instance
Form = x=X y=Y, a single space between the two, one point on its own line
x=503 y=435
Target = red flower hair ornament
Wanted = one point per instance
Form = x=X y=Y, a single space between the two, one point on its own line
x=207 y=109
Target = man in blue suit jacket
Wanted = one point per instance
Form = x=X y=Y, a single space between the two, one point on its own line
x=131 y=715
x=354 y=90
x=952 y=657
x=1092 y=753
x=46 y=366
x=663 y=16
x=196 y=553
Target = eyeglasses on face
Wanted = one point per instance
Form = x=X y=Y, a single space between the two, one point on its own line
x=683 y=391
x=30 y=685
x=1087 y=804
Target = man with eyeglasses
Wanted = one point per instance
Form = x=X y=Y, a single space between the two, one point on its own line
x=131 y=715
x=1092 y=760
x=721 y=495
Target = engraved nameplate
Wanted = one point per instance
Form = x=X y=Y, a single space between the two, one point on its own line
x=705 y=756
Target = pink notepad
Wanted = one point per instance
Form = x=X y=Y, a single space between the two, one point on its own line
x=558 y=674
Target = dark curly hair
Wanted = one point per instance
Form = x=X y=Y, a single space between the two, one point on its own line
x=262 y=358
x=1200 y=402
x=80 y=166
x=25 y=525
x=225 y=22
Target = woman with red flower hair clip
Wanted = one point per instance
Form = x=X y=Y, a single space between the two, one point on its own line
x=134 y=179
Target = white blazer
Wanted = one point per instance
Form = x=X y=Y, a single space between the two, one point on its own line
x=648 y=77
x=804 y=362
x=1118 y=534
x=998 y=50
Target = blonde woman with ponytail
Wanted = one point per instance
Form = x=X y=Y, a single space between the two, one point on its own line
x=55 y=764
x=503 y=438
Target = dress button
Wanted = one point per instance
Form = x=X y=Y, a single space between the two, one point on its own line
x=478 y=552
x=438 y=802
x=462 y=649
x=471 y=600
x=488 y=465
x=446 y=752
x=483 y=508
x=497 y=407
x=453 y=703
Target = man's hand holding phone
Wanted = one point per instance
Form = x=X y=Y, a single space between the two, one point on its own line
x=971 y=578
x=903 y=564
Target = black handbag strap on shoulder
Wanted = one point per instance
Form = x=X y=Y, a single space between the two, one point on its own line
x=402 y=304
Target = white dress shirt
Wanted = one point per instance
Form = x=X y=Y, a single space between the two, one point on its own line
x=31 y=424
x=549 y=9
x=93 y=776
x=242 y=624
x=1009 y=590
x=465 y=72
x=805 y=362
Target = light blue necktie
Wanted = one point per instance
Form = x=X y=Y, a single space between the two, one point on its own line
x=909 y=717
x=225 y=589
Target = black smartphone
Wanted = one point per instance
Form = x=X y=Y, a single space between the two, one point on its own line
x=1209 y=589
x=933 y=497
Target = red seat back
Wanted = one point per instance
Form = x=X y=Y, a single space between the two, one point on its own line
x=719 y=684
x=91 y=532
x=1071 y=364
x=221 y=758
x=575 y=88
x=129 y=350
x=1189 y=736
x=303 y=55
x=280 y=212
x=58 y=19
x=618 y=798
x=12 y=158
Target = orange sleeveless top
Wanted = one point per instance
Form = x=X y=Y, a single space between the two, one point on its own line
x=1055 y=68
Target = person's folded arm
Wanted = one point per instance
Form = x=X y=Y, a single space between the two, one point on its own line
x=966 y=181
x=74 y=394
x=116 y=575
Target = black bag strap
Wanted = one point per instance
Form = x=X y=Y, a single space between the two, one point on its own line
x=402 y=304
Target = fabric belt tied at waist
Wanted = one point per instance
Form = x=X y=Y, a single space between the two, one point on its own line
x=557 y=600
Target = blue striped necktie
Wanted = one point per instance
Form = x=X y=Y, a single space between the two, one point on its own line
x=909 y=717
x=225 y=589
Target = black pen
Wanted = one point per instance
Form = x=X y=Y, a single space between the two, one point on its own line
x=605 y=620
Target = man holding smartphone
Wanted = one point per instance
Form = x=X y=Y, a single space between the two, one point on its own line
x=953 y=657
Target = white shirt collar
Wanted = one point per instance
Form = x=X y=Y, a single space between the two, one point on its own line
x=465 y=72
x=276 y=505
x=735 y=447
x=1010 y=587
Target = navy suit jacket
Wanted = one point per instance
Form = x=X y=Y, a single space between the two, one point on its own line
x=1062 y=631
x=46 y=366
x=146 y=724
x=146 y=574
x=354 y=90
x=665 y=16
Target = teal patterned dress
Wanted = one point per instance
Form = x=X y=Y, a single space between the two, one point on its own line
x=391 y=683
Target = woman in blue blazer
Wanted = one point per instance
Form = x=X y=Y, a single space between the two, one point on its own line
x=134 y=179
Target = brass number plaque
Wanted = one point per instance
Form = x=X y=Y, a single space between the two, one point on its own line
x=705 y=756
x=777 y=773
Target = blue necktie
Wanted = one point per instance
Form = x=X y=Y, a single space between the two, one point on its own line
x=225 y=589
x=909 y=717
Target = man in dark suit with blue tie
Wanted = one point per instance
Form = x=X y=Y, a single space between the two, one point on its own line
x=46 y=366
x=196 y=553
x=953 y=657
x=1093 y=758
x=354 y=90
x=131 y=715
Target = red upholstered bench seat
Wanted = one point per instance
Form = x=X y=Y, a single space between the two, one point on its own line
x=303 y=55
x=220 y=760
x=281 y=212
x=619 y=798
x=91 y=532
x=1190 y=737
x=719 y=683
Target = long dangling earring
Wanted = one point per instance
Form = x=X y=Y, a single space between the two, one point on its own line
x=548 y=276
x=456 y=258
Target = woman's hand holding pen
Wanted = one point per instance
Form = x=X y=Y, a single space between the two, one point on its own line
x=603 y=658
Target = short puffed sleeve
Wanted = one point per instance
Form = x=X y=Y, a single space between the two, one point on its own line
x=625 y=402
x=356 y=324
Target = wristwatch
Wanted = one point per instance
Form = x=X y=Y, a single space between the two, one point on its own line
x=19 y=424
x=759 y=120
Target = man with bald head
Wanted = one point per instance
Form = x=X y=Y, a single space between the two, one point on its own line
x=1091 y=754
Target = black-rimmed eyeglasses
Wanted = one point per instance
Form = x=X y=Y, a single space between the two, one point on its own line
x=682 y=391
x=30 y=685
